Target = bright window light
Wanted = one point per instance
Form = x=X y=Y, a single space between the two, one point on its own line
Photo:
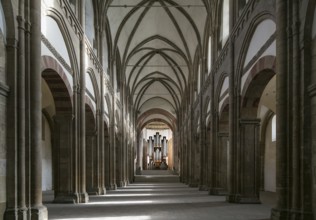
x=273 y=135
x=209 y=56
x=225 y=22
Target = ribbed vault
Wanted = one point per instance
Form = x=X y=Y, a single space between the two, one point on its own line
x=157 y=41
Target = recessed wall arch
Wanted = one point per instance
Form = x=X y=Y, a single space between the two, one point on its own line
x=3 y=26
x=10 y=20
x=64 y=28
x=90 y=103
x=142 y=118
x=267 y=63
x=95 y=86
x=259 y=18
x=57 y=81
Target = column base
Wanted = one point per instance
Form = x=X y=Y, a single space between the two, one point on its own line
x=284 y=214
x=39 y=213
x=18 y=213
x=243 y=199
x=203 y=188
x=66 y=198
x=103 y=191
x=83 y=197
x=113 y=186
x=218 y=192
x=193 y=185
x=120 y=183
x=94 y=191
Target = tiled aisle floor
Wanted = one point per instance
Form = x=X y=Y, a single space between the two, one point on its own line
x=157 y=201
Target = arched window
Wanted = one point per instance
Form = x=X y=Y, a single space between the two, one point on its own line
x=224 y=28
x=89 y=22
x=209 y=55
x=199 y=80
x=2 y=22
x=273 y=129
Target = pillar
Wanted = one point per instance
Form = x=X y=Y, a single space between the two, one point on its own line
x=107 y=161
x=92 y=165
x=112 y=154
x=38 y=211
x=64 y=156
x=312 y=93
x=203 y=158
x=219 y=186
x=247 y=182
x=101 y=139
x=84 y=198
x=293 y=144
x=118 y=159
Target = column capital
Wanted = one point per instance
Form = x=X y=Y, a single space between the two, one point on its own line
x=12 y=42
x=250 y=121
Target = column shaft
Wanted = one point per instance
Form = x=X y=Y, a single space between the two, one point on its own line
x=38 y=211
x=82 y=119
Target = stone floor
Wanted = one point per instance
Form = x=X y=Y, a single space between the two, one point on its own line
x=153 y=201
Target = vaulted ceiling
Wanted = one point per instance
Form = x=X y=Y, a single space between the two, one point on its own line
x=156 y=42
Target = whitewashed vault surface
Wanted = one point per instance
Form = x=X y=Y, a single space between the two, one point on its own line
x=156 y=42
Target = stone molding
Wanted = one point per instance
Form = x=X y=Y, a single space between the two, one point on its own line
x=4 y=89
x=56 y=54
x=76 y=26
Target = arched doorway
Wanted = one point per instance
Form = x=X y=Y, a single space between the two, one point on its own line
x=267 y=115
x=48 y=112
x=256 y=92
x=57 y=107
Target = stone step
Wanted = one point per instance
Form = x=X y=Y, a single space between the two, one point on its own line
x=157 y=178
x=157 y=172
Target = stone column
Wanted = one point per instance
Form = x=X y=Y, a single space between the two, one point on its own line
x=118 y=160
x=15 y=163
x=101 y=137
x=233 y=118
x=204 y=159
x=84 y=198
x=247 y=182
x=38 y=211
x=107 y=161
x=125 y=162
x=222 y=163
x=312 y=93
x=112 y=146
x=293 y=144
x=212 y=151
x=92 y=164
x=192 y=154
x=64 y=168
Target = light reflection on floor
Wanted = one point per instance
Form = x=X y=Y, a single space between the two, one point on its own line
x=155 y=202
x=112 y=218
x=120 y=202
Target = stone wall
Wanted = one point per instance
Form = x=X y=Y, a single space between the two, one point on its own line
x=2 y=128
